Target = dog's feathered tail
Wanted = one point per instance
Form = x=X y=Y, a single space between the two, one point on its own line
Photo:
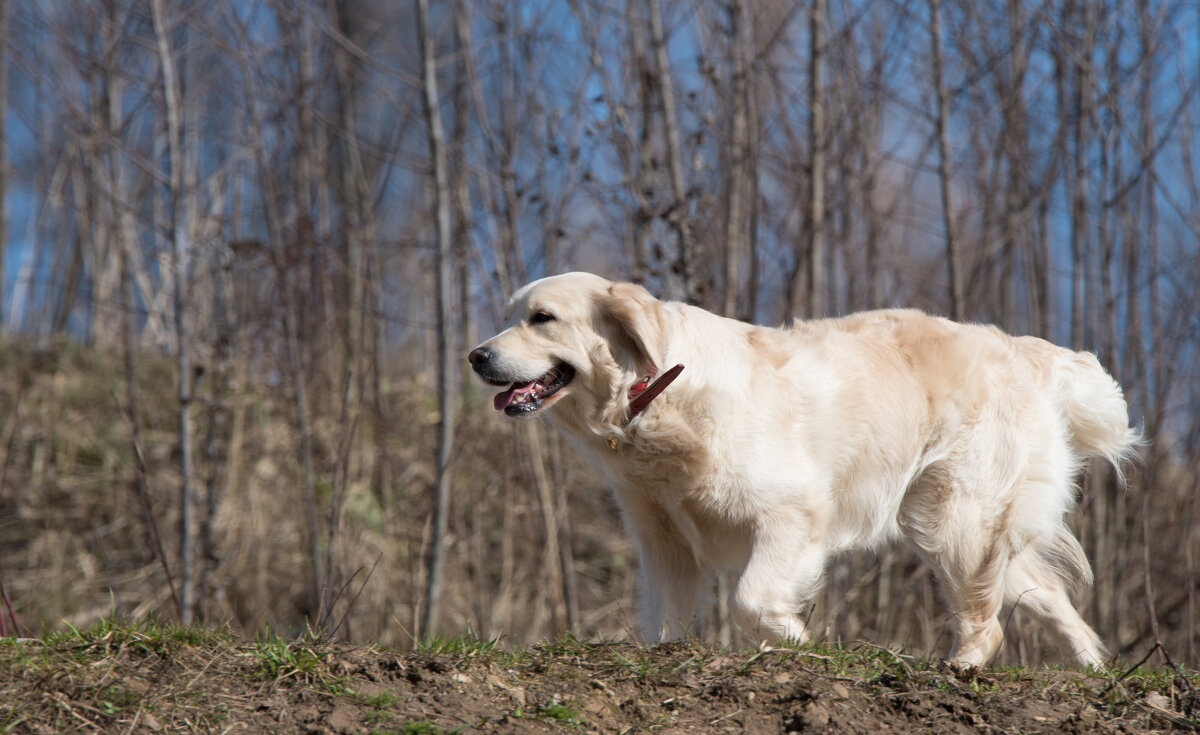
x=1095 y=409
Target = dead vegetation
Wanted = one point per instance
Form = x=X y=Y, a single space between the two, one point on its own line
x=76 y=543
x=532 y=551
x=76 y=549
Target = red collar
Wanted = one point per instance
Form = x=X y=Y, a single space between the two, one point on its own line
x=644 y=391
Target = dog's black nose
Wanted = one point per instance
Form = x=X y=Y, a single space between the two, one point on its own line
x=479 y=357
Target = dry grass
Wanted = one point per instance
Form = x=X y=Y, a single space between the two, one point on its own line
x=75 y=545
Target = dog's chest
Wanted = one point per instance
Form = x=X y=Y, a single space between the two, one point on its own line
x=714 y=522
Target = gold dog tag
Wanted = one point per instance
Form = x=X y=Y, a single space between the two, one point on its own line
x=612 y=443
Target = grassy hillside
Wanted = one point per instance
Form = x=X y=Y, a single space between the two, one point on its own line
x=149 y=677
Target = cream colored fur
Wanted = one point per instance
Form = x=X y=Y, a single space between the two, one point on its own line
x=778 y=447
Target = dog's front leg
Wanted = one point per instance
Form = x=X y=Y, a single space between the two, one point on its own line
x=670 y=576
x=670 y=585
x=787 y=558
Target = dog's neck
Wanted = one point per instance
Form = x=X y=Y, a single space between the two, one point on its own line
x=644 y=391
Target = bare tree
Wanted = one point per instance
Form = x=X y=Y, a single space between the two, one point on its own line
x=460 y=183
x=4 y=53
x=175 y=174
x=284 y=259
x=443 y=268
x=135 y=428
x=739 y=202
x=679 y=216
x=942 y=118
x=629 y=135
x=1081 y=139
x=216 y=442
x=816 y=143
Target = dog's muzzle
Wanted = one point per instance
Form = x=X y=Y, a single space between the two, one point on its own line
x=524 y=396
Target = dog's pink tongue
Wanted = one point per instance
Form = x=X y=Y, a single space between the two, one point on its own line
x=504 y=398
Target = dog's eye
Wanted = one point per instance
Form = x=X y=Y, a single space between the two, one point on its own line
x=541 y=317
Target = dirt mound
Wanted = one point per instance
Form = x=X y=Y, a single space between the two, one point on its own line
x=151 y=678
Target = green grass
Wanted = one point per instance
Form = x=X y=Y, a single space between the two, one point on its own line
x=382 y=700
x=114 y=699
x=560 y=713
x=569 y=645
x=420 y=727
x=11 y=719
x=641 y=663
x=148 y=636
x=106 y=639
x=468 y=647
x=468 y=644
x=379 y=704
x=302 y=661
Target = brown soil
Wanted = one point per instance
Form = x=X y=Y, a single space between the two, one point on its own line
x=126 y=680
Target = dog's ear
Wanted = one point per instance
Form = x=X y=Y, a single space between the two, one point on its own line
x=633 y=319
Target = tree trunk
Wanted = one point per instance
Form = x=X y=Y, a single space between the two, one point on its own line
x=749 y=306
x=441 y=195
x=300 y=394
x=953 y=256
x=1083 y=90
x=1153 y=382
x=621 y=127
x=565 y=534
x=738 y=173
x=679 y=217
x=282 y=262
x=128 y=343
x=175 y=177
x=553 y=591
x=4 y=51
x=216 y=443
x=816 y=142
x=636 y=167
x=461 y=185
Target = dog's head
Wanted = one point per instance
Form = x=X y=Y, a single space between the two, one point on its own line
x=574 y=338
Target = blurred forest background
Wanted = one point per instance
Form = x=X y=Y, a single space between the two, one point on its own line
x=248 y=243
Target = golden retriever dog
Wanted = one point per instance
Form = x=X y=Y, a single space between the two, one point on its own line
x=774 y=448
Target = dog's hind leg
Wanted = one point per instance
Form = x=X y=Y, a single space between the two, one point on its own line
x=968 y=550
x=1034 y=581
x=974 y=591
x=973 y=587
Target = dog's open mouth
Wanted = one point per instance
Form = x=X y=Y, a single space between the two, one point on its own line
x=523 y=398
